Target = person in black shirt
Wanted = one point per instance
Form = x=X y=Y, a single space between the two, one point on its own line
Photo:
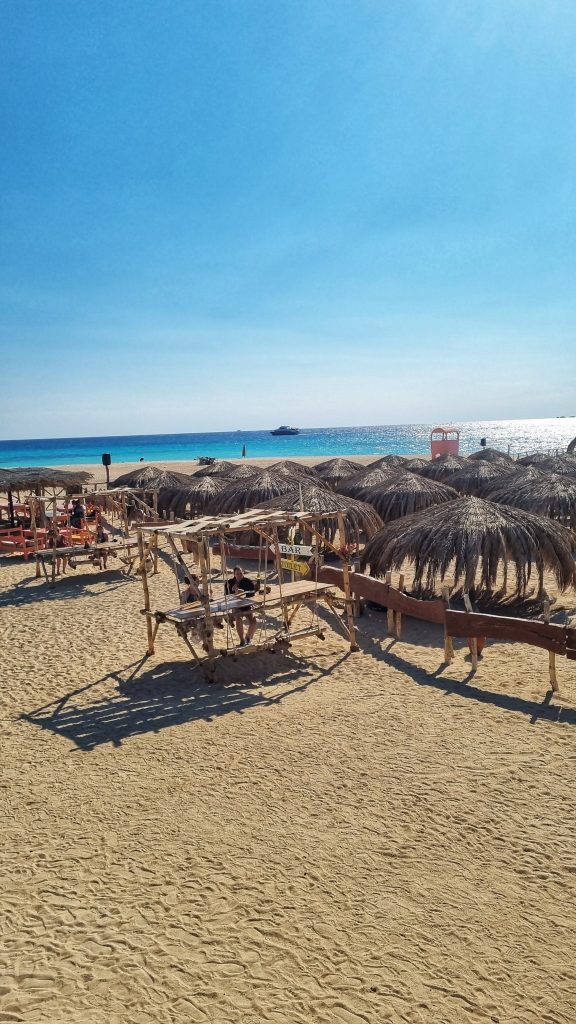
x=239 y=584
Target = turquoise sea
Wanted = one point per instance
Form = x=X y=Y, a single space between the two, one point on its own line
x=516 y=436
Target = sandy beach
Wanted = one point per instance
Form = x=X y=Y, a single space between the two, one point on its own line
x=320 y=837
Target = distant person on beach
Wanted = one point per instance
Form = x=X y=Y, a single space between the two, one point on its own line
x=101 y=557
x=191 y=591
x=78 y=516
x=237 y=585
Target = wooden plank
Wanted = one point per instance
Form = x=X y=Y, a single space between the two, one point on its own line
x=382 y=593
x=550 y=636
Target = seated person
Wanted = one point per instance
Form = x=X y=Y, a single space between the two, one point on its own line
x=78 y=515
x=240 y=584
x=191 y=591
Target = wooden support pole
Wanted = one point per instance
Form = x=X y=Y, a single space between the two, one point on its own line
x=346 y=585
x=551 y=654
x=389 y=611
x=32 y=506
x=209 y=633
x=149 y=632
x=280 y=571
x=125 y=515
x=448 y=645
x=398 y=617
x=473 y=642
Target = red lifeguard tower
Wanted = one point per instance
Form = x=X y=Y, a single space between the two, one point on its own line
x=444 y=441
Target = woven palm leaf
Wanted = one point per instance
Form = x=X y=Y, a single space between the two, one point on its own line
x=394 y=461
x=242 y=471
x=405 y=494
x=471 y=540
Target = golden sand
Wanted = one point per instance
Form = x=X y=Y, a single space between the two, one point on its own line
x=320 y=837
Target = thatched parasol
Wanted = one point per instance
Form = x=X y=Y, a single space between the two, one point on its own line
x=471 y=540
x=242 y=471
x=405 y=494
x=475 y=475
x=416 y=465
x=193 y=498
x=394 y=461
x=151 y=477
x=534 y=459
x=545 y=494
x=239 y=495
x=334 y=470
x=443 y=467
x=358 y=517
x=216 y=469
x=563 y=464
x=289 y=468
x=490 y=455
x=369 y=477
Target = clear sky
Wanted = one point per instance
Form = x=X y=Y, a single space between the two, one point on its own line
x=221 y=214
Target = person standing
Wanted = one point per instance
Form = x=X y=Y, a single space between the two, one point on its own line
x=240 y=585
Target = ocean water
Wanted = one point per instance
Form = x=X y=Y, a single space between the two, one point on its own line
x=516 y=436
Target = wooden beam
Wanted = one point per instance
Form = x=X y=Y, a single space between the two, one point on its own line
x=471 y=640
x=149 y=631
x=551 y=654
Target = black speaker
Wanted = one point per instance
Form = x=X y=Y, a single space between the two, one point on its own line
x=106 y=459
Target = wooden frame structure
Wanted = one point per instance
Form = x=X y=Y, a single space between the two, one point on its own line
x=213 y=608
x=86 y=545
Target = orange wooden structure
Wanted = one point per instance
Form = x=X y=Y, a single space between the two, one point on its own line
x=444 y=441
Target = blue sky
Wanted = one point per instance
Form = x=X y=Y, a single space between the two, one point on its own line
x=221 y=215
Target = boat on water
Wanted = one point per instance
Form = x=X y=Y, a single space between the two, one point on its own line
x=283 y=430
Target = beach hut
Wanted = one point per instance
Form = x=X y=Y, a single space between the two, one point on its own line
x=38 y=479
x=475 y=475
x=546 y=494
x=470 y=542
x=216 y=469
x=490 y=455
x=359 y=518
x=352 y=486
x=443 y=467
x=242 y=494
x=334 y=470
x=405 y=494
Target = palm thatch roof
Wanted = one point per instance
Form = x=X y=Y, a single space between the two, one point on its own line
x=395 y=461
x=475 y=475
x=563 y=464
x=242 y=471
x=369 y=477
x=216 y=469
x=290 y=468
x=534 y=459
x=443 y=467
x=405 y=494
x=190 y=499
x=33 y=477
x=358 y=516
x=152 y=477
x=490 y=455
x=416 y=465
x=337 y=469
x=239 y=495
x=545 y=494
x=469 y=541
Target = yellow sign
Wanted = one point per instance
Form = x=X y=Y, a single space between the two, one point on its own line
x=299 y=567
